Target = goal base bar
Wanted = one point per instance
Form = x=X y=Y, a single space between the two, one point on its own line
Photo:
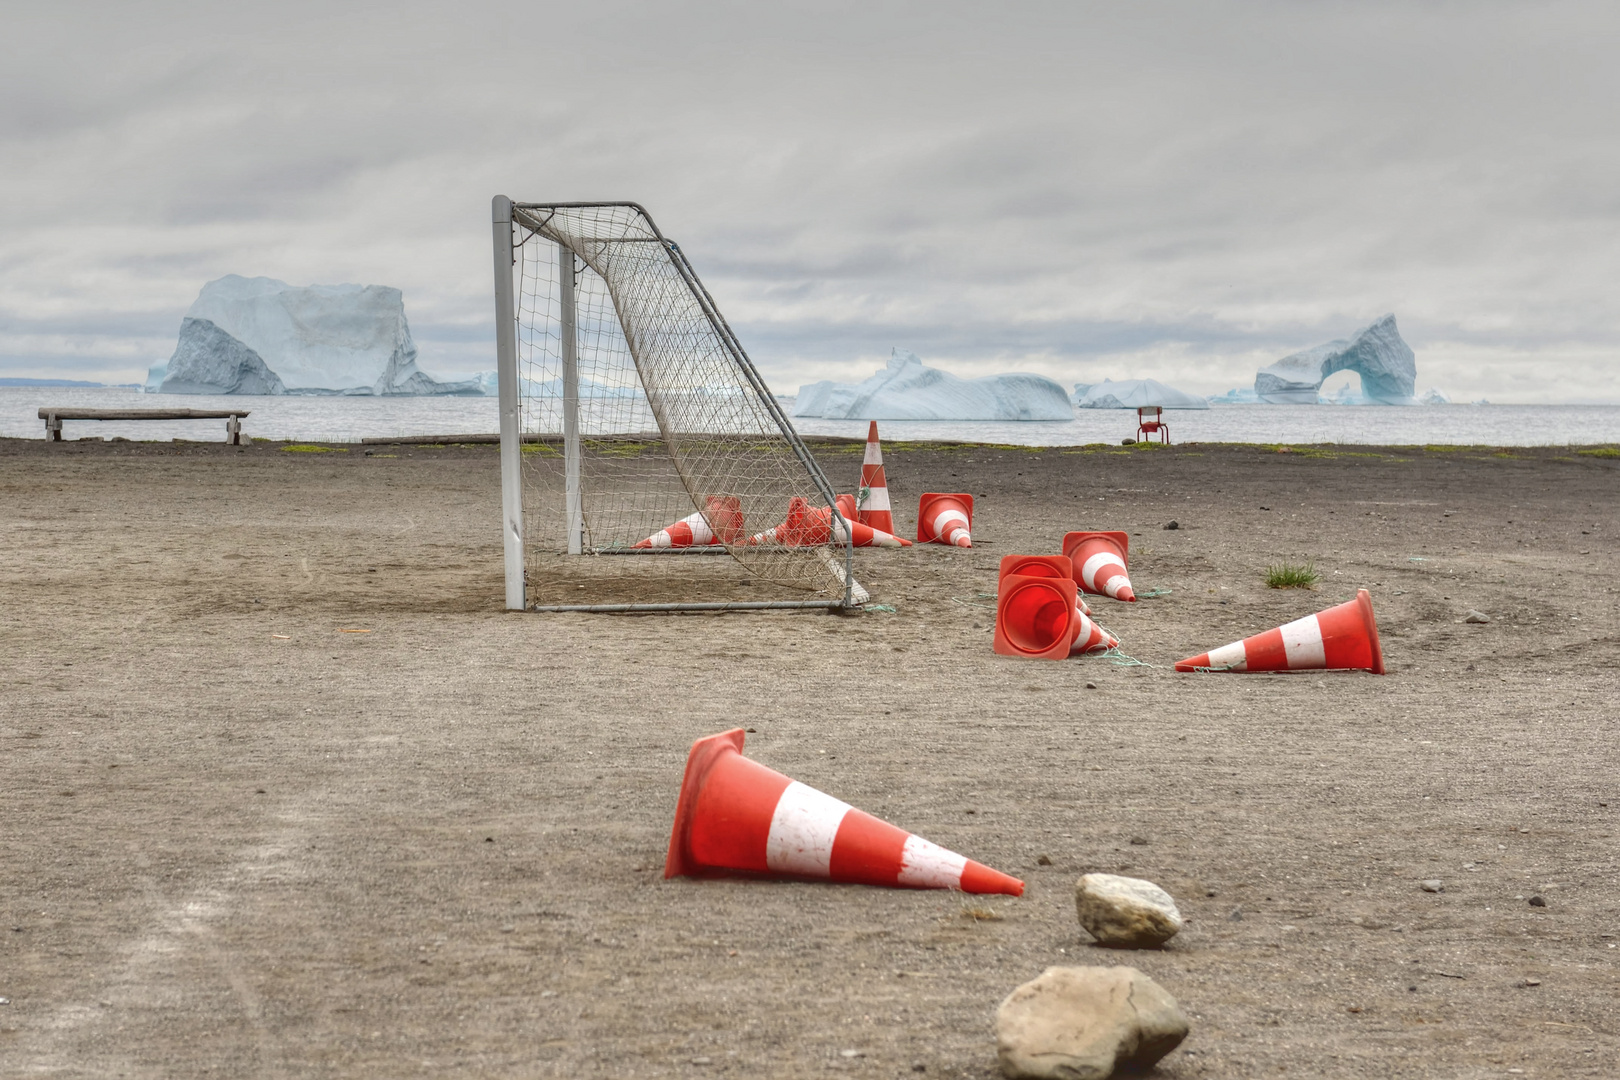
x=744 y=605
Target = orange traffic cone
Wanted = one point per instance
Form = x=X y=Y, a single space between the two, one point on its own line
x=735 y=816
x=1099 y=560
x=846 y=506
x=808 y=526
x=1055 y=566
x=874 y=500
x=1345 y=636
x=1092 y=638
x=720 y=523
x=1036 y=617
x=945 y=519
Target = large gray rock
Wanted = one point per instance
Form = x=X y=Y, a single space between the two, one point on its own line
x=1126 y=912
x=207 y=360
x=1082 y=1023
x=1386 y=364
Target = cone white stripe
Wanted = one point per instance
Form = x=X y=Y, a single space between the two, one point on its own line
x=874 y=453
x=803 y=829
x=875 y=499
x=1088 y=570
x=1302 y=643
x=926 y=865
x=943 y=521
x=1233 y=657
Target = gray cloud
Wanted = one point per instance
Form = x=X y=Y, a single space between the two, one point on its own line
x=1179 y=190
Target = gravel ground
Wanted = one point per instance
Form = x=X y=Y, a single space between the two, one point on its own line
x=239 y=840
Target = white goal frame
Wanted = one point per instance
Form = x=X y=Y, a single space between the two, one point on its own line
x=507 y=219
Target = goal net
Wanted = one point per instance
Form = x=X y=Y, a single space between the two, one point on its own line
x=637 y=436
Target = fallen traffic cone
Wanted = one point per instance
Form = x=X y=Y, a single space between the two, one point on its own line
x=721 y=523
x=1054 y=566
x=808 y=526
x=1099 y=560
x=945 y=519
x=735 y=816
x=1344 y=636
x=873 y=507
x=1092 y=638
x=846 y=506
x=1036 y=617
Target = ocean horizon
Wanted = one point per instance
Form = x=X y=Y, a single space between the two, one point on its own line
x=351 y=419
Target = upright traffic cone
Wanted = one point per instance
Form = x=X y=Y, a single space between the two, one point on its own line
x=945 y=519
x=873 y=505
x=1036 y=617
x=720 y=523
x=1054 y=566
x=1342 y=637
x=735 y=816
x=1099 y=560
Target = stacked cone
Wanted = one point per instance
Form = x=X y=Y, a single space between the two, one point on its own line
x=735 y=816
x=812 y=526
x=872 y=508
x=720 y=523
x=1099 y=560
x=1040 y=566
x=1342 y=637
x=945 y=519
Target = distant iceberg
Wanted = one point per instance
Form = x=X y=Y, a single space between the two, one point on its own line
x=1431 y=396
x=1241 y=395
x=1385 y=363
x=906 y=390
x=262 y=336
x=1134 y=394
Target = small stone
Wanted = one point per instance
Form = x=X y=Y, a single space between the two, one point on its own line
x=703 y=1061
x=1173 y=526
x=1478 y=617
x=1434 y=885
x=851 y=1053
x=1536 y=901
x=1091 y=686
x=1086 y=1022
x=1139 y=841
x=919 y=1067
x=1127 y=442
x=5 y=1001
x=1236 y=916
x=1044 y=860
x=1126 y=912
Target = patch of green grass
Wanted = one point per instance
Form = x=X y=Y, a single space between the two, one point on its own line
x=308 y=448
x=1601 y=451
x=1287 y=575
x=541 y=448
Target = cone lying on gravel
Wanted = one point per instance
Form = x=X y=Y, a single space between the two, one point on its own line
x=1342 y=637
x=1099 y=560
x=945 y=519
x=720 y=523
x=873 y=507
x=810 y=526
x=735 y=816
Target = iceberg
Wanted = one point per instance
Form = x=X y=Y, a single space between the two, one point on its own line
x=1241 y=395
x=1385 y=363
x=263 y=336
x=907 y=390
x=207 y=360
x=1134 y=394
x=1431 y=396
x=154 y=377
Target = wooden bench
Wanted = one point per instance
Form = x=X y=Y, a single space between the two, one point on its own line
x=233 y=419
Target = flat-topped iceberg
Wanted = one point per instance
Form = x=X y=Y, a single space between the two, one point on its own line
x=1134 y=394
x=262 y=336
x=907 y=390
x=1385 y=363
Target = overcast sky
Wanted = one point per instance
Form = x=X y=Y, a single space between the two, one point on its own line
x=1184 y=191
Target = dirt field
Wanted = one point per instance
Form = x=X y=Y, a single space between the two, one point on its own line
x=238 y=841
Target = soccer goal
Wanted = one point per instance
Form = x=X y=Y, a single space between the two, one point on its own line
x=643 y=458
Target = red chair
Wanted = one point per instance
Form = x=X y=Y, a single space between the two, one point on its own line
x=1148 y=423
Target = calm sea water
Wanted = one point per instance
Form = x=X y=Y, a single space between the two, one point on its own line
x=349 y=419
